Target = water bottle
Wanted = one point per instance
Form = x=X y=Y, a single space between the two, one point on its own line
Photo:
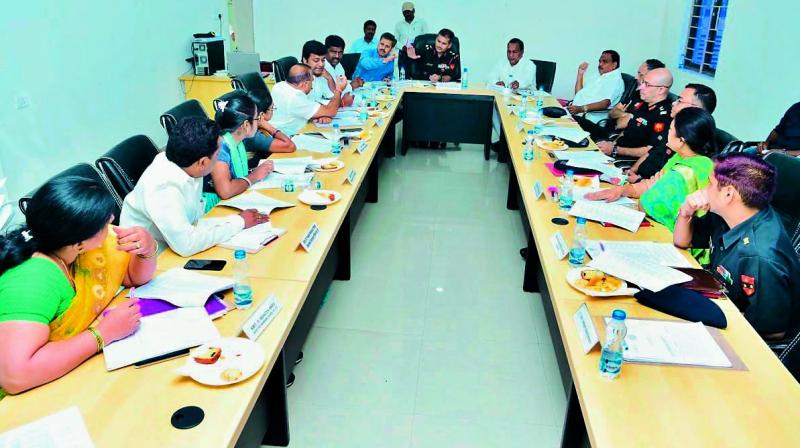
x=611 y=356
x=565 y=198
x=577 y=252
x=288 y=185
x=242 y=291
x=402 y=73
x=507 y=87
x=523 y=107
x=465 y=79
x=539 y=102
x=527 y=152
x=336 y=144
x=362 y=110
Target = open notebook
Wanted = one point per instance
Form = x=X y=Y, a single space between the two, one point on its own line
x=252 y=199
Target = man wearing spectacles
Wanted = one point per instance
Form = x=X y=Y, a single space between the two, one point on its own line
x=621 y=113
x=649 y=122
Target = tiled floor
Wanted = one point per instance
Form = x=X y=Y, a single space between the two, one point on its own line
x=432 y=343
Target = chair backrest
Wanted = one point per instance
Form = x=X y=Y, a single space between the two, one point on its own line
x=787 y=196
x=226 y=97
x=349 y=62
x=124 y=164
x=724 y=141
x=419 y=44
x=790 y=357
x=249 y=81
x=630 y=87
x=82 y=170
x=280 y=68
x=190 y=108
x=545 y=74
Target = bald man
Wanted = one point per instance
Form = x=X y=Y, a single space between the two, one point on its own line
x=650 y=119
x=293 y=105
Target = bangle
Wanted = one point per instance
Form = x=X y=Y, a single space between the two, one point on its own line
x=98 y=338
x=147 y=257
x=249 y=182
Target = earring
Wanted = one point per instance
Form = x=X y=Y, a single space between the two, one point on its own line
x=80 y=247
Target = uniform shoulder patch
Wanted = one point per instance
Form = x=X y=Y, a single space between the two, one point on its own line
x=748 y=285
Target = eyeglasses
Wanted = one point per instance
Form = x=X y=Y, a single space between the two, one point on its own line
x=680 y=100
x=647 y=84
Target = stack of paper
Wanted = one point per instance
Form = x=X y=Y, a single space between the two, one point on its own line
x=64 y=429
x=310 y=143
x=664 y=254
x=619 y=215
x=582 y=156
x=642 y=272
x=448 y=86
x=160 y=334
x=672 y=342
x=291 y=165
x=184 y=288
x=573 y=134
x=254 y=239
x=276 y=180
x=254 y=200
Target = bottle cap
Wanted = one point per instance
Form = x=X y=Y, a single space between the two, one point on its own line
x=581 y=220
x=618 y=315
x=570 y=173
x=239 y=254
x=336 y=125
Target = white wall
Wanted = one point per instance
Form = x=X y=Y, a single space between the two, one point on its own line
x=567 y=32
x=95 y=72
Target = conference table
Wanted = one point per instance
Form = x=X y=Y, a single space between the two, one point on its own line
x=648 y=405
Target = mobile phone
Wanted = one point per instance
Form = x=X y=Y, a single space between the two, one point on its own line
x=205 y=265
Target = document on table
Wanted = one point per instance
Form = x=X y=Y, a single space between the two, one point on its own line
x=184 y=288
x=619 y=215
x=572 y=134
x=582 y=156
x=645 y=273
x=252 y=199
x=306 y=142
x=64 y=429
x=276 y=180
x=290 y=165
x=580 y=192
x=664 y=254
x=672 y=342
x=448 y=86
x=346 y=121
x=160 y=334
x=254 y=238
x=607 y=170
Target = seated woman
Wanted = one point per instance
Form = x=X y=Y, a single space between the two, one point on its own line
x=691 y=137
x=237 y=120
x=57 y=274
x=268 y=139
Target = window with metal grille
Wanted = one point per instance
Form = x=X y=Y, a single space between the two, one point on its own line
x=704 y=36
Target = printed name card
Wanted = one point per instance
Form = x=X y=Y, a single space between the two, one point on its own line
x=388 y=105
x=309 y=238
x=351 y=177
x=362 y=146
x=538 y=191
x=559 y=245
x=379 y=122
x=586 y=329
x=261 y=317
x=520 y=127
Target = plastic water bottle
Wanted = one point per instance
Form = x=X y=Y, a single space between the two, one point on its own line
x=288 y=185
x=523 y=107
x=465 y=79
x=528 y=152
x=402 y=73
x=577 y=252
x=611 y=356
x=507 y=87
x=242 y=291
x=565 y=198
x=539 y=102
x=336 y=144
x=362 y=110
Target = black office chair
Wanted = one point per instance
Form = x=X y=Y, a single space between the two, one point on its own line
x=349 y=62
x=419 y=44
x=630 y=87
x=190 y=108
x=124 y=164
x=82 y=170
x=790 y=357
x=249 y=81
x=226 y=97
x=725 y=141
x=786 y=200
x=545 y=74
x=280 y=68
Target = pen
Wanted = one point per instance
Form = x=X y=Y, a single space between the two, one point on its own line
x=602 y=247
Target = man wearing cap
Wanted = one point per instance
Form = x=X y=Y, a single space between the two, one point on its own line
x=407 y=30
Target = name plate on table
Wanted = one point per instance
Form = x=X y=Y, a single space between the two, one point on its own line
x=586 y=329
x=379 y=122
x=388 y=105
x=261 y=317
x=362 y=146
x=351 y=177
x=520 y=127
x=559 y=245
x=538 y=191
x=309 y=238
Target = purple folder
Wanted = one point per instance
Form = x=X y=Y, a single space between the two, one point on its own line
x=214 y=306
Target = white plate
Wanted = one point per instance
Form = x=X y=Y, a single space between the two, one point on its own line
x=237 y=353
x=339 y=165
x=575 y=274
x=315 y=197
x=541 y=144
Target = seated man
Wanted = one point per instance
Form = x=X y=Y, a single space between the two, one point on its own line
x=750 y=251
x=593 y=99
x=367 y=42
x=649 y=123
x=786 y=134
x=621 y=113
x=520 y=72
x=334 y=70
x=293 y=106
x=168 y=199
x=322 y=87
x=438 y=63
x=377 y=64
x=693 y=95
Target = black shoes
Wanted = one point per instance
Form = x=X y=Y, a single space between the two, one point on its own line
x=523 y=253
x=299 y=359
x=290 y=380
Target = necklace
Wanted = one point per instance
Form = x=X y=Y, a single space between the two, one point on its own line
x=64 y=267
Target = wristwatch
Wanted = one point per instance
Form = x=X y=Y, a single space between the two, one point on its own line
x=614 y=151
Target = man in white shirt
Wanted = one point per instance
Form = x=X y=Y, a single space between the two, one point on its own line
x=407 y=30
x=512 y=71
x=168 y=199
x=333 y=69
x=596 y=97
x=292 y=105
x=314 y=56
x=368 y=42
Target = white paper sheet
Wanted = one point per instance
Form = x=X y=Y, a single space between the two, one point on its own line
x=346 y=121
x=183 y=287
x=579 y=193
x=253 y=239
x=672 y=342
x=644 y=273
x=252 y=199
x=583 y=156
x=448 y=86
x=290 y=165
x=160 y=334
x=574 y=134
x=311 y=143
x=664 y=254
x=64 y=429
x=276 y=180
x=619 y=215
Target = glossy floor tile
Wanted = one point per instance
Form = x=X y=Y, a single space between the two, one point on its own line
x=432 y=343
